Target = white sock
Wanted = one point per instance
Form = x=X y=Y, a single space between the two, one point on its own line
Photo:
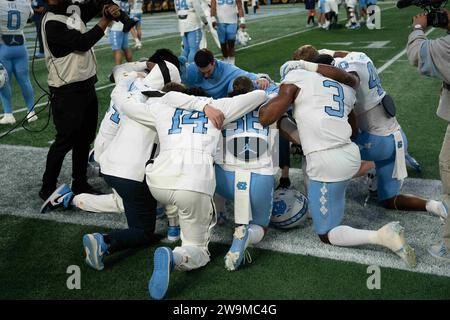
x=177 y=258
x=437 y=208
x=231 y=60
x=346 y=236
x=255 y=234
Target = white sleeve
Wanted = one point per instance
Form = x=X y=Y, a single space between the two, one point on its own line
x=236 y=107
x=138 y=111
x=120 y=70
x=180 y=100
x=198 y=10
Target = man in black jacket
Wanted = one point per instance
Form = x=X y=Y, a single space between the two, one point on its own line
x=72 y=76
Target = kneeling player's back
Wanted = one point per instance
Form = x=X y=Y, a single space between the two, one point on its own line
x=321 y=110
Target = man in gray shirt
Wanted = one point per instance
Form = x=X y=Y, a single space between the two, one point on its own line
x=432 y=58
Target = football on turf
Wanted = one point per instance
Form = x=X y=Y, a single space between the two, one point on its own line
x=289 y=210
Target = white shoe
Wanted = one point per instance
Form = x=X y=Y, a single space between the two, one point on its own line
x=8 y=118
x=392 y=236
x=32 y=117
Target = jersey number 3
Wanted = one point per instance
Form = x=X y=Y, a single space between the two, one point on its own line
x=198 y=119
x=339 y=98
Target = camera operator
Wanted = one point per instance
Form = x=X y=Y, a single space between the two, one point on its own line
x=72 y=70
x=432 y=58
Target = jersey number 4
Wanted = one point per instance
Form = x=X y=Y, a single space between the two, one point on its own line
x=374 y=79
x=339 y=98
x=182 y=118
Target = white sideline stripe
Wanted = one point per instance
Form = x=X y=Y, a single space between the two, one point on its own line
x=397 y=56
x=240 y=49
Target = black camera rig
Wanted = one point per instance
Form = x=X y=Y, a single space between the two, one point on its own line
x=436 y=16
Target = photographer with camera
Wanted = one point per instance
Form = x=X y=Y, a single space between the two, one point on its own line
x=432 y=58
x=72 y=70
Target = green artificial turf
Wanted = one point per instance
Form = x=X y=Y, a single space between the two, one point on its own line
x=37 y=253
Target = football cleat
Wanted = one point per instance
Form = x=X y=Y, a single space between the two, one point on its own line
x=8 y=118
x=61 y=197
x=392 y=236
x=440 y=251
x=163 y=265
x=412 y=163
x=32 y=116
x=173 y=233
x=95 y=249
x=236 y=254
x=354 y=26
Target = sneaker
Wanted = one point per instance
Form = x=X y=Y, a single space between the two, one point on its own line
x=31 y=116
x=354 y=26
x=173 y=233
x=392 y=236
x=84 y=187
x=46 y=191
x=39 y=55
x=440 y=251
x=95 y=249
x=61 y=197
x=221 y=218
x=163 y=265
x=284 y=183
x=236 y=254
x=412 y=163
x=8 y=118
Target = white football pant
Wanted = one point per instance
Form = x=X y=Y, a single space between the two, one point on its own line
x=99 y=203
x=196 y=216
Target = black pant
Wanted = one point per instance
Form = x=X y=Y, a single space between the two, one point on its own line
x=39 y=34
x=285 y=153
x=140 y=210
x=75 y=113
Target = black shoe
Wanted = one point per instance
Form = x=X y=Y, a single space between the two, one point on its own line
x=46 y=192
x=284 y=183
x=84 y=187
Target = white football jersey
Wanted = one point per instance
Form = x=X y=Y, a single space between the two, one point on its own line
x=111 y=121
x=226 y=11
x=321 y=110
x=14 y=15
x=188 y=140
x=137 y=6
x=369 y=92
x=132 y=146
x=188 y=13
x=247 y=145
